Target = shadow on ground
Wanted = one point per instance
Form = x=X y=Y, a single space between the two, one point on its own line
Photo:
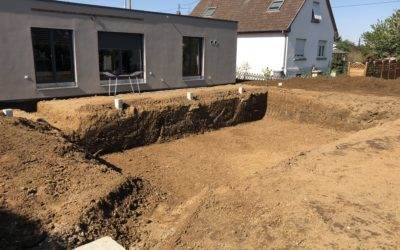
x=18 y=232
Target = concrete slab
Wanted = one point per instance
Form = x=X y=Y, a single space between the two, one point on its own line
x=105 y=243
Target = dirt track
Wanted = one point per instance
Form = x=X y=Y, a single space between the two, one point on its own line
x=321 y=170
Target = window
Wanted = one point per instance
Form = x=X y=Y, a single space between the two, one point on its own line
x=300 y=48
x=316 y=13
x=192 y=56
x=120 y=54
x=53 y=55
x=209 y=11
x=276 y=5
x=321 y=49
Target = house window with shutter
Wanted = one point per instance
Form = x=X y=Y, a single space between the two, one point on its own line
x=53 y=57
x=276 y=5
x=300 y=49
x=316 y=13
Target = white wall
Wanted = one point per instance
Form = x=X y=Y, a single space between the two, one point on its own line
x=303 y=28
x=261 y=51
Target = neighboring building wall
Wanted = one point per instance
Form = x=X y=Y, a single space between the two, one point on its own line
x=261 y=51
x=162 y=47
x=303 y=28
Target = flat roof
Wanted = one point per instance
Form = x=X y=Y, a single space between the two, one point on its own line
x=131 y=10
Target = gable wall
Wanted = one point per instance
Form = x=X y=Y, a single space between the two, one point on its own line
x=303 y=28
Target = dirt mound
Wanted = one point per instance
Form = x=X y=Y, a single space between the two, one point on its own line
x=343 y=84
x=336 y=110
x=94 y=124
x=48 y=187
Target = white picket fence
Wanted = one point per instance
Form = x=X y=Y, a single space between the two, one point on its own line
x=251 y=76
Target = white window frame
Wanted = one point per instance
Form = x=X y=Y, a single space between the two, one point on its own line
x=59 y=85
x=322 y=49
x=203 y=51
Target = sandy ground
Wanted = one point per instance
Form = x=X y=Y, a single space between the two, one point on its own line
x=270 y=183
x=320 y=171
x=202 y=175
x=51 y=195
x=342 y=84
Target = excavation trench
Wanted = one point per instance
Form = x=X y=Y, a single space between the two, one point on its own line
x=343 y=112
x=95 y=125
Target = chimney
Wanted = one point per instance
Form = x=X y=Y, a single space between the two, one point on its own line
x=128 y=4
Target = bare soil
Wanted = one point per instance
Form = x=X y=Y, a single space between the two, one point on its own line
x=342 y=84
x=98 y=127
x=320 y=170
x=52 y=196
x=346 y=112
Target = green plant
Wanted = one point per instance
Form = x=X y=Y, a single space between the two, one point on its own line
x=243 y=70
x=384 y=39
x=267 y=72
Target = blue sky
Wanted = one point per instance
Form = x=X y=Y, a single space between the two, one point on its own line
x=351 y=21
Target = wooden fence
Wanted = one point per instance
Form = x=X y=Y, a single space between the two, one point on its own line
x=356 y=69
x=387 y=69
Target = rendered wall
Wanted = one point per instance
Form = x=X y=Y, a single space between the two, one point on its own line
x=261 y=51
x=303 y=28
x=162 y=41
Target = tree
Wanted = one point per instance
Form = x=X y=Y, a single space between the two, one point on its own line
x=344 y=45
x=384 y=39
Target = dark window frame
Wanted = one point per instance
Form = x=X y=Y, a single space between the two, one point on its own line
x=120 y=48
x=197 y=73
x=52 y=43
x=209 y=12
x=276 y=5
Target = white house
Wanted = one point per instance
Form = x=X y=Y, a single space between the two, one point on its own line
x=289 y=37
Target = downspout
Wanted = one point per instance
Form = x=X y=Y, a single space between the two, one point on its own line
x=285 y=53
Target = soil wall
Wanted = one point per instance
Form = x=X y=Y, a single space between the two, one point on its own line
x=95 y=125
x=349 y=112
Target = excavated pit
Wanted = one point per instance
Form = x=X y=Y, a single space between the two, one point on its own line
x=60 y=199
x=97 y=126
x=343 y=112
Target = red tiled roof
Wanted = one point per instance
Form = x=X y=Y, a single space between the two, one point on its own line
x=253 y=16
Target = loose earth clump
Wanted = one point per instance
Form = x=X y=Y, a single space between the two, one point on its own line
x=51 y=195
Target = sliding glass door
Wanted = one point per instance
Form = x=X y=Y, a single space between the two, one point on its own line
x=53 y=55
x=120 y=55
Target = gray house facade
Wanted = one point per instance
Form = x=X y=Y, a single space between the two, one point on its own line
x=51 y=49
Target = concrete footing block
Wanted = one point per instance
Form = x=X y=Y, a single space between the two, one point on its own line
x=118 y=103
x=8 y=112
x=105 y=243
x=189 y=96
